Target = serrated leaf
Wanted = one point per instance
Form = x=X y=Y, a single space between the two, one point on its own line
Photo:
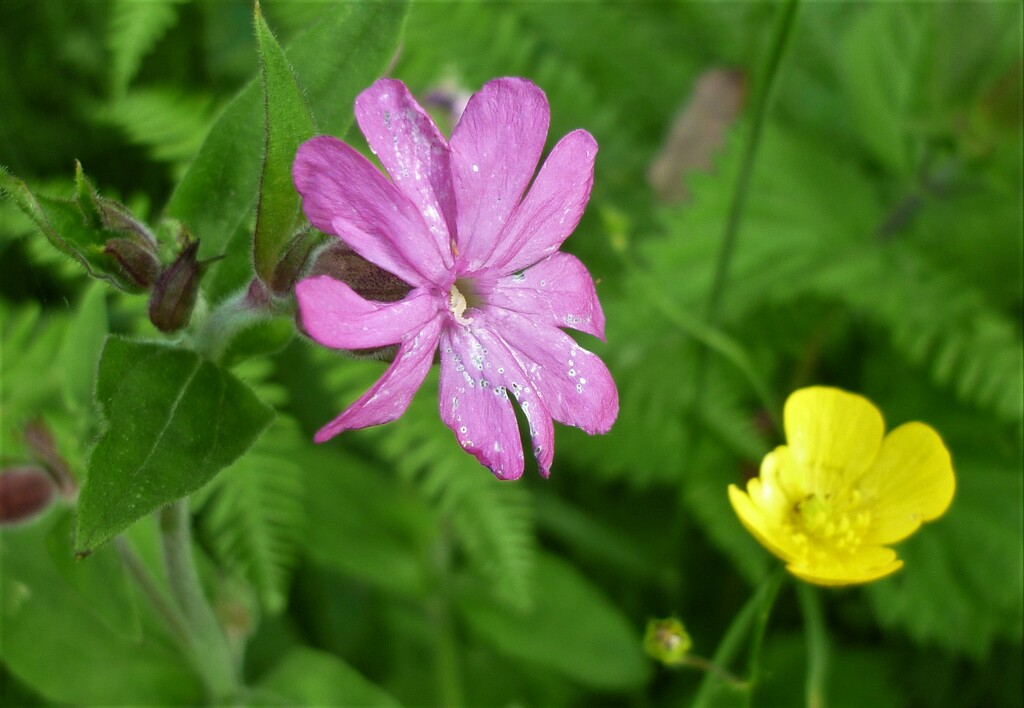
x=572 y=628
x=287 y=123
x=173 y=420
x=65 y=226
x=338 y=57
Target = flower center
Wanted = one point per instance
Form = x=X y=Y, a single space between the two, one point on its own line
x=461 y=297
x=826 y=523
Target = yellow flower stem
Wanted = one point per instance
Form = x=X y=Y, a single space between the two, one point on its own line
x=817 y=644
x=752 y=615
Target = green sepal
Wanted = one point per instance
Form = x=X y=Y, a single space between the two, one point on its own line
x=82 y=228
x=173 y=420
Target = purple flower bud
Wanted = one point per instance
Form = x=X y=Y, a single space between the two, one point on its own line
x=25 y=492
x=139 y=263
x=293 y=263
x=174 y=295
x=368 y=279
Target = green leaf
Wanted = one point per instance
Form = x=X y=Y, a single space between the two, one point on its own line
x=173 y=421
x=342 y=54
x=287 y=124
x=309 y=677
x=573 y=629
x=67 y=626
x=67 y=228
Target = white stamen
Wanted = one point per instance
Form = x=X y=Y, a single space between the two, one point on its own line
x=457 y=304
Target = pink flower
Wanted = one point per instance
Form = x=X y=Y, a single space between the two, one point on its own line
x=490 y=289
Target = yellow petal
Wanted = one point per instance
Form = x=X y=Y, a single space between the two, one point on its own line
x=868 y=564
x=777 y=487
x=834 y=435
x=911 y=481
x=765 y=527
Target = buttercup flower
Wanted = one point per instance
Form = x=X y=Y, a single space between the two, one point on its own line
x=831 y=501
x=490 y=289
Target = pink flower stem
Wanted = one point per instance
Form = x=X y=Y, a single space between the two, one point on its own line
x=208 y=645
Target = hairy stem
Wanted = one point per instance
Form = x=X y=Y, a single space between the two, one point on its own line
x=209 y=648
x=167 y=611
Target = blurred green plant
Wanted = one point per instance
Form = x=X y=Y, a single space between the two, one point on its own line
x=880 y=249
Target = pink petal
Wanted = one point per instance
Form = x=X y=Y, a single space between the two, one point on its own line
x=343 y=194
x=390 y=396
x=414 y=153
x=494 y=151
x=557 y=291
x=477 y=373
x=574 y=383
x=336 y=316
x=553 y=207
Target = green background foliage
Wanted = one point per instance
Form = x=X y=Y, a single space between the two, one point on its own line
x=880 y=250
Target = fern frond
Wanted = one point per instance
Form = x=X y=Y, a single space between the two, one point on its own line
x=170 y=124
x=254 y=518
x=135 y=28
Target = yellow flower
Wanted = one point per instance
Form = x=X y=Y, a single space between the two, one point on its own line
x=831 y=501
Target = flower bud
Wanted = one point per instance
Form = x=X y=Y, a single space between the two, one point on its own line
x=667 y=641
x=175 y=292
x=25 y=492
x=293 y=262
x=369 y=280
x=138 y=262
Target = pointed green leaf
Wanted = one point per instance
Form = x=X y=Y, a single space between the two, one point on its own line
x=335 y=59
x=173 y=421
x=287 y=124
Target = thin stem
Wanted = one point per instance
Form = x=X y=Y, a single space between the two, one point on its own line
x=773 y=583
x=762 y=102
x=702 y=664
x=168 y=612
x=817 y=645
x=209 y=646
x=756 y=608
